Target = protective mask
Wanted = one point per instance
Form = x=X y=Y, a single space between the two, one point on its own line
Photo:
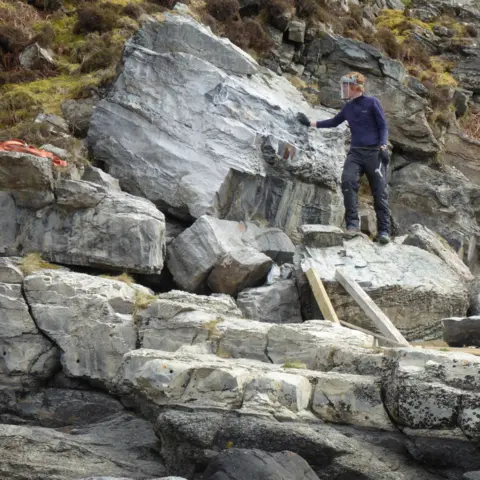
x=346 y=84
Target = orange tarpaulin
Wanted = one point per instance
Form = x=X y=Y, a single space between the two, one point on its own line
x=19 y=146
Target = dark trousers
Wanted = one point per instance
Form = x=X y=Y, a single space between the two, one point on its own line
x=368 y=161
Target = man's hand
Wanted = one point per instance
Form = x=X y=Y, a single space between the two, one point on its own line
x=303 y=119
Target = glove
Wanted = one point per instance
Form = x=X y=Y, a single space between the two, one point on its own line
x=303 y=119
x=385 y=156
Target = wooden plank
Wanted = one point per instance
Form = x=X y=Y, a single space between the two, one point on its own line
x=321 y=296
x=368 y=332
x=381 y=321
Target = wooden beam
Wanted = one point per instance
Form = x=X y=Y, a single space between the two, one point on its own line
x=321 y=296
x=373 y=334
x=381 y=321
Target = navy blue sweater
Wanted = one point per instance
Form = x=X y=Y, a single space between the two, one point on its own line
x=366 y=119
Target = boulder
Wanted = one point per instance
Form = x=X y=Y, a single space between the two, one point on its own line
x=99 y=177
x=34 y=57
x=56 y=407
x=422 y=237
x=405 y=110
x=190 y=439
x=296 y=31
x=121 y=446
x=89 y=318
x=241 y=464
x=239 y=269
x=461 y=100
x=223 y=141
x=322 y=236
x=462 y=153
x=277 y=303
x=466 y=72
x=414 y=299
x=196 y=251
x=28 y=357
x=78 y=114
x=462 y=332
x=444 y=201
x=76 y=222
x=433 y=397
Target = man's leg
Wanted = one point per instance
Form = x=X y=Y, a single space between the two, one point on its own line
x=352 y=171
x=377 y=178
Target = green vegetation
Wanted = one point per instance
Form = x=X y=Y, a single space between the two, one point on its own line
x=294 y=364
x=124 y=277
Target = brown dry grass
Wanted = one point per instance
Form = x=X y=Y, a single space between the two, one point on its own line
x=33 y=262
x=470 y=125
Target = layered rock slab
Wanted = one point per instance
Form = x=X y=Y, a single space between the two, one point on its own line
x=205 y=132
x=414 y=288
x=76 y=222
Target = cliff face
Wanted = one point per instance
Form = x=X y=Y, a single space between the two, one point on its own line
x=208 y=353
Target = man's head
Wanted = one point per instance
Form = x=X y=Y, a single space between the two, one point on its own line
x=352 y=85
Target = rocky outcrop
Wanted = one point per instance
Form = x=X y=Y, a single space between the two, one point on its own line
x=84 y=316
x=76 y=222
x=277 y=303
x=224 y=139
x=414 y=288
x=421 y=237
x=121 y=446
x=443 y=200
x=28 y=357
x=199 y=251
x=258 y=464
x=462 y=332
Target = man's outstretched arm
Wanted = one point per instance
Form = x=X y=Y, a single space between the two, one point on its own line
x=330 y=123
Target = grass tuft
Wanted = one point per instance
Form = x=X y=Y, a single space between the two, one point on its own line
x=294 y=364
x=33 y=262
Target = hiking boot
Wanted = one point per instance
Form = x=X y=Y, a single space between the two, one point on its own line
x=383 y=238
x=352 y=230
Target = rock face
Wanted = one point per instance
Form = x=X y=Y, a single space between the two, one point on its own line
x=258 y=464
x=76 y=222
x=277 y=303
x=84 y=315
x=414 y=288
x=198 y=250
x=28 y=357
x=122 y=446
x=34 y=57
x=462 y=332
x=223 y=141
x=422 y=237
x=444 y=201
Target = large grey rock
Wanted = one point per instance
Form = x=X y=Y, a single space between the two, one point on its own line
x=34 y=57
x=191 y=438
x=277 y=303
x=296 y=31
x=55 y=407
x=122 y=446
x=239 y=464
x=445 y=201
x=78 y=114
x=433 y=397
x=405 y=110
x=462 y=332
x=98 y=176
x=76 y=222
x=224 y=139
x=89 y=318
x=466 y=71
x=28 y=357
x=196 y=251
x=459 y=146
x=413 y=287
x=239 y=269
x=422 y=237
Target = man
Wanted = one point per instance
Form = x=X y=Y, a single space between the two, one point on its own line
x=368 y=151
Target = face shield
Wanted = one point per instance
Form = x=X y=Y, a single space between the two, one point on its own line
x=346 y=84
